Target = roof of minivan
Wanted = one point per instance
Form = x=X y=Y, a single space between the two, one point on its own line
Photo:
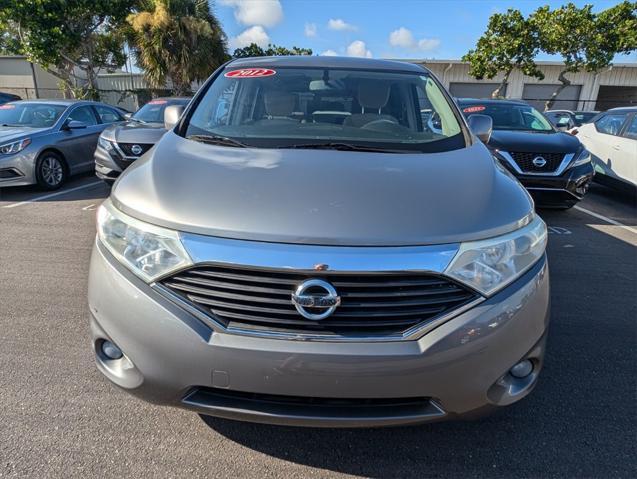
x=326 y=62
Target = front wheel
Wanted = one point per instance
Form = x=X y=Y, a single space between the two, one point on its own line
x=49 y=171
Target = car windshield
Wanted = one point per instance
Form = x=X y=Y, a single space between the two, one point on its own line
x=153 y=111
x=582 y=117
x=31 y=115
x=319 y=107
x=509 y=116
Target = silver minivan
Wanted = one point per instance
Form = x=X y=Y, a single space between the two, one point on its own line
x=321 y=241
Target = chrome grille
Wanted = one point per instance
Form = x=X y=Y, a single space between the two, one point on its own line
x=524 y=161
x=371 y=303
x=127 y=148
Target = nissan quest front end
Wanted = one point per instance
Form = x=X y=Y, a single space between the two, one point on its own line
x=321 y=241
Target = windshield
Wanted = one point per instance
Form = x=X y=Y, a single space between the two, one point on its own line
x=508 y=116
x=153 y=111
x=582 y=117
x=296 y=107
x=32 y=115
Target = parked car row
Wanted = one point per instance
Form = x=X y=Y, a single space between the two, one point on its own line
x=340 y=243
x=44 y=142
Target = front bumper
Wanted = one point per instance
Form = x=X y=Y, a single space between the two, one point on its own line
x=109 y=165
x=559 y=191
x=18 y=169
x=460 y=367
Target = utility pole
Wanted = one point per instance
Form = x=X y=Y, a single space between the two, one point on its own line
x=35 y=81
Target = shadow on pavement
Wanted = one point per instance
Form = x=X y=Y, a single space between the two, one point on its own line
x=88 y=187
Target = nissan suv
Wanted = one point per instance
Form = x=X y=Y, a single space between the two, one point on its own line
x=551 y=164
x=121 y=144
x=321 y=241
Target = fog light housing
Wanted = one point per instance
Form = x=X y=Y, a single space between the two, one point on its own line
x=111 y=351
x=522 y=369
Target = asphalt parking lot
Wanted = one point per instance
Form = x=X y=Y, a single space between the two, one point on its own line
x=60 y=418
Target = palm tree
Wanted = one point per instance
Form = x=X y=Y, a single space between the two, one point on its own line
x=180 y=40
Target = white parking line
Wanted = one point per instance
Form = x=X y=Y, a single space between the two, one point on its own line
x=52 y=195
x=604 y=218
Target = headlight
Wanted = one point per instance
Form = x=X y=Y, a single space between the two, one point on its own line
x=489 y=265
x=147 y=250
x=15 y=147
x=106 y=144
x=583 y=158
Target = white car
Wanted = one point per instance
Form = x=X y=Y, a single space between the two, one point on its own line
x=612 y=140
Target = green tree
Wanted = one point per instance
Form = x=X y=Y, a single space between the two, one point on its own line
x=617 y=28
x=585 y=40
x=72 y=39
x=254 y=50
x=177 y=40
x=509 y=42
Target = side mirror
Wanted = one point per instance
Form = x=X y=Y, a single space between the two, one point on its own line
x=481 y=126
x=128 y=116
x=172 y=114
x=74 y=125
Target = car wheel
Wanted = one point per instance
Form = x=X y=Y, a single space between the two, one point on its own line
x=50 y=171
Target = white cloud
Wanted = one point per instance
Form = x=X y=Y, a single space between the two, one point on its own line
x=329 y=53
x=256 y=12
x=428 y=43
x=405 y=39
x=255 y=34
x=340 y=24
x=402 y=38
x=310 y=30
x=358 y=49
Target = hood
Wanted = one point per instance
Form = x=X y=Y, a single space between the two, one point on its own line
x=322 y=197
x=10 y=133
x=534 y=142
x=135 y=132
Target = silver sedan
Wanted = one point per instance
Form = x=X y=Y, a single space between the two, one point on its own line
x=45 y=141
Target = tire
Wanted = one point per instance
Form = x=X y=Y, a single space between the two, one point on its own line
x=50 y=171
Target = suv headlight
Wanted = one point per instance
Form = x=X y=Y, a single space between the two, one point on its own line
x=106 y=144
x=581 y=159
x=14 y=147
x=147 y=250
x=489 y=265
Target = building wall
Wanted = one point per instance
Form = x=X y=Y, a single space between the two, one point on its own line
x=621 y=75
x=17 y=77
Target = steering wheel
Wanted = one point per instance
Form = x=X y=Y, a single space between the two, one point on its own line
x=367 y=126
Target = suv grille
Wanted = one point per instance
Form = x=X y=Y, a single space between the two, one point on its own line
x=525 y=161
x=126 y=148
x=371 y=303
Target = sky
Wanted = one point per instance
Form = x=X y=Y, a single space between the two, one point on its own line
x=407 y=29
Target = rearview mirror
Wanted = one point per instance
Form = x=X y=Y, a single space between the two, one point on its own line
x=74 y=125
x=481 y=126
x=172 y=114
x=563 y=123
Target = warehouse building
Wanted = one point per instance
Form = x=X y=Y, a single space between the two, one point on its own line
x=611 y=87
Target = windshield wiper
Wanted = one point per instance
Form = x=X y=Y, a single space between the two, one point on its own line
x=217 y=140
x=343 y=147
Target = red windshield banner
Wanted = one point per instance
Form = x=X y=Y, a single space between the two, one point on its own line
x=7 y=107
x=474 y=109
x=157 y=102
x=250 y=73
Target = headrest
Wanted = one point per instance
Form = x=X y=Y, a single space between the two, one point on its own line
x=373 y=94
x=278 y=103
